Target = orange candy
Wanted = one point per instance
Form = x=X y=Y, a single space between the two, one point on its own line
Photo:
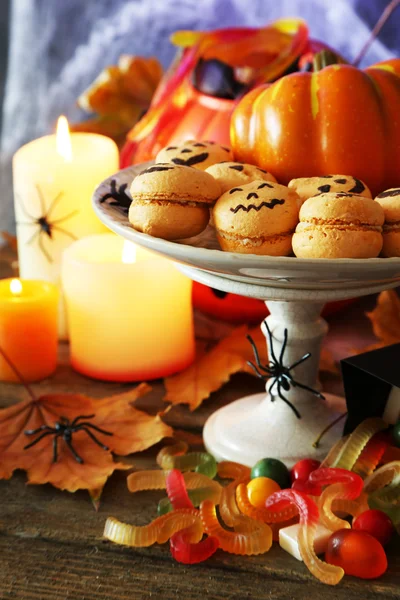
x=357 y=552
x=259 y=489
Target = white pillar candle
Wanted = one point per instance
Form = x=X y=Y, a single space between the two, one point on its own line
x=54 y=179
x=128 y=321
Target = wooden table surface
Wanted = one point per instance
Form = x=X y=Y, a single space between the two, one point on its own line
x=51 y=543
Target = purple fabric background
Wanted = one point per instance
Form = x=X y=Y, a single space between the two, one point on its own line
x=57 y=48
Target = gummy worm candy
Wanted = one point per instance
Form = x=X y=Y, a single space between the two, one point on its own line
x=334 y=452
x=159 y=530
x=232 y=470
x=262 y=514
x=351 y=507
x=250 y=537
x=389 y=473
x=341 y=484
x=169 y=451
x=371 y=455
x=187 y=548
x=356 y=443
x=228 y=507
x=201 y=462
x=308 y=512
x=196 y=497
x=176 y=490
x=146 y=480
x=155 y=480
x=383 y=488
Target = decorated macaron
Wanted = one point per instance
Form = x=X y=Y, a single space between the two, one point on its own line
x=172 y=201
x=195 y=154
x=390 y=202
x=306 y=187
x=257 y=218
x=234 y=174
x=339 y=225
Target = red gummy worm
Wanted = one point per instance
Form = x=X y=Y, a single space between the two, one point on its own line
x=188 y=553
x=176 y=490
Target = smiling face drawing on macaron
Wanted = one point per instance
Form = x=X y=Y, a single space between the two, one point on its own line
x=257 y=218
x=199 y=155
x=306 y=187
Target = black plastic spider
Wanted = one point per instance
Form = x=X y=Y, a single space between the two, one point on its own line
x=280 y=374
x=45 y=226
x=122 y=200
x=65 y=429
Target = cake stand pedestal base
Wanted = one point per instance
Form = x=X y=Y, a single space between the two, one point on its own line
x=253 y=428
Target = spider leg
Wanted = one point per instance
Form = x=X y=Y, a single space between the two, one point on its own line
x=71 y=214
x=64 y=231
x=271 y=341
x=298 y=362
x=75 y=421
x=105 y=197
x=42 y=203
x=86 y=424
x=38 y=430
x=256 y=355
x=38 y=439
x=256 y=371
x=26 y=213
x=282 y=397
x=285 y=337
x=74 y=452
x=54 y=202
x=43 y=249
x=272 y=387
x=309 y=389
x=122 y=188
x=94 y=438
x=33 y=237
x=55 y=448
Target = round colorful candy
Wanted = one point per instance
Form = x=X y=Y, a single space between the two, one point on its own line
x=259 y=489
x=396 y=434
x=302 y=469
x=357 y=552
x=376 y=523
x=274 y=469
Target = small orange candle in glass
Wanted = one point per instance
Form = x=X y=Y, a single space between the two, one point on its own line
x=28 y=328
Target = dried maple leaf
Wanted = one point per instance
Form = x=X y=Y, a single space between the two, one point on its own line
x=214 y=368
x=119 y=96
x=132 y=430
x=385 y=318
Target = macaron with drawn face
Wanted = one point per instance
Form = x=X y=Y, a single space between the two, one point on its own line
x=339 y=225
x=191 y=153
x=306 y=187
x=390 y=202
x=172 y=201
x=234 y=174
x=257 y=218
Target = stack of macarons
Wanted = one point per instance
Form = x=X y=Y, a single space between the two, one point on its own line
x=331 y=216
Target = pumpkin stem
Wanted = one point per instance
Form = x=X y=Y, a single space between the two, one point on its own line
x=18 y=374
x=390 y=8
x=325 y=58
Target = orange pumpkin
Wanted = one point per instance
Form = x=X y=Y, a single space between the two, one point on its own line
x=339 y=119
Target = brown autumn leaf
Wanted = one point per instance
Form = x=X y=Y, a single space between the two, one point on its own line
x=211 y=370
x=119 y=96
x=132 y=431
x=385 y=319
x=11 y=240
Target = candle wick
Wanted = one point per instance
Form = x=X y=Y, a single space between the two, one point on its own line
x=18 y=374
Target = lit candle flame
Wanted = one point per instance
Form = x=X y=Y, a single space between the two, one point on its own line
x=63 y=139
x=128 y=252
x=15 y=287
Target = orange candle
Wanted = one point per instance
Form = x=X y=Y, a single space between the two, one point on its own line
x=28 y=328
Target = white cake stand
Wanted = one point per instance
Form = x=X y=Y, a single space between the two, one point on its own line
x=295 y=290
